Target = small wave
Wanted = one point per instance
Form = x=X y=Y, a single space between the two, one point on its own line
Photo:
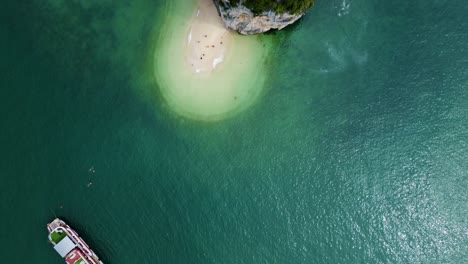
x=344 y=8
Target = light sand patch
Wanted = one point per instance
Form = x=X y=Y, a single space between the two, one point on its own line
x=207 y=40
x=204 y=71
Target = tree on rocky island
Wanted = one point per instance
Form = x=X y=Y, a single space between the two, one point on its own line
x=279 y=6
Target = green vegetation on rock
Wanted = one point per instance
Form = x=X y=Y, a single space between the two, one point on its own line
x=278 y=6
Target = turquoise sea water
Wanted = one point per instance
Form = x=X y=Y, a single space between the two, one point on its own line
x=356 y=153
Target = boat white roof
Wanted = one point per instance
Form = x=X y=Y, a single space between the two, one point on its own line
x=64 y=246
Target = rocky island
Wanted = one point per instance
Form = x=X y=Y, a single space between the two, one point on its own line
x=257 y=16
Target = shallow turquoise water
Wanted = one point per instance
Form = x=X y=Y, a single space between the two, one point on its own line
x=356 y=153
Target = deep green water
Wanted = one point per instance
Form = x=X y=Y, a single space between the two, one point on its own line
x=356 y=153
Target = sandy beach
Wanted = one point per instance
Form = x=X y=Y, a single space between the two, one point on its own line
x=207 y=40
x=203 y=70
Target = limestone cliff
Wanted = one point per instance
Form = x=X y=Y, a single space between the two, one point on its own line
x=257 y=16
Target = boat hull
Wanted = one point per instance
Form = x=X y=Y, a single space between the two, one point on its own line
x=64 y=239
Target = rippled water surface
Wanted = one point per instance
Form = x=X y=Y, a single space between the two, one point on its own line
x=356 y=152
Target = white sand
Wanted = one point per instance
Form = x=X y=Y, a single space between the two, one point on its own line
x=207 y=40
x=204 y=71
